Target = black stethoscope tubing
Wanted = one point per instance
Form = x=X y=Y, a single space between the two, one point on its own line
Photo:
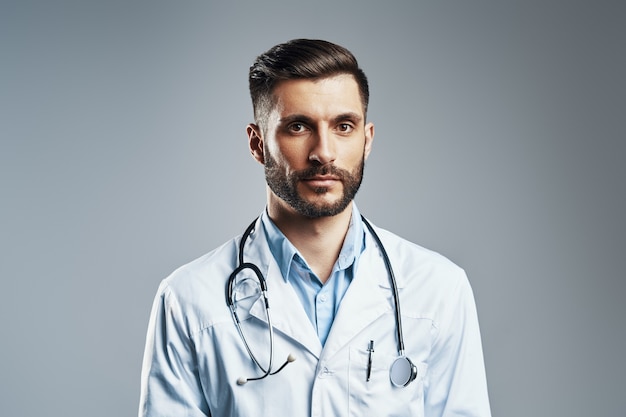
x=394 y=286
x=402 y=371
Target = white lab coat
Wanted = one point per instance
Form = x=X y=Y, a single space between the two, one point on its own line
x=194 y=354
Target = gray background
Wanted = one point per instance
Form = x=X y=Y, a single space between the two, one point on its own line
x=500 y=143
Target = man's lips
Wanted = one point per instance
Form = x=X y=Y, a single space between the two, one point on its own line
x=321 y=180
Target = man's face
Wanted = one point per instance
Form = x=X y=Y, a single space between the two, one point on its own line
x=314 y=145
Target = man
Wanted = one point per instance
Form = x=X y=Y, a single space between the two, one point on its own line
x=325 y=274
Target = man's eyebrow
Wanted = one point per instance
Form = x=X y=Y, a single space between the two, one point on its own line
x=295 y=118
x=355 y=117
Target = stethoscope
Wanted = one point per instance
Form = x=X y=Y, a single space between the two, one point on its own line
x=402 y=371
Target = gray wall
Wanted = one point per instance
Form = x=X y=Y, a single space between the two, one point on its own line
x=500 y=143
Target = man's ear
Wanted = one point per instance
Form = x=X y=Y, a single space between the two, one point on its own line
x=255 y=142
x=369 y=138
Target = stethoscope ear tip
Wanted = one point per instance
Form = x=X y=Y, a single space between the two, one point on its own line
x=242 y=381
x=291 y=358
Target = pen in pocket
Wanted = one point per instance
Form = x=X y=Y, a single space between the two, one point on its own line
x=370 y=349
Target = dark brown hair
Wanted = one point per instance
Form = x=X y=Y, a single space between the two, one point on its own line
x=300 y=59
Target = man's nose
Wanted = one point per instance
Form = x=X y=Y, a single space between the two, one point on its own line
x=323 y=149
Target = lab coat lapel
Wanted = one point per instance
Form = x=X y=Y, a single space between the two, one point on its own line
x=287 y=314
x=367 y=298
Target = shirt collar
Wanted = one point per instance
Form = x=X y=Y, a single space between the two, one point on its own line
x=286 y=253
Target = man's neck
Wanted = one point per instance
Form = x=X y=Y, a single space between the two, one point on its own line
x=319 y=240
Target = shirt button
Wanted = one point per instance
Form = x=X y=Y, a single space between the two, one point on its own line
x=322 y=298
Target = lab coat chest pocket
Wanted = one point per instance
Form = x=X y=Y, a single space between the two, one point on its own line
x=378 y=396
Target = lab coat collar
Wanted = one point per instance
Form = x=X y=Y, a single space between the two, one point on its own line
x=287 y=314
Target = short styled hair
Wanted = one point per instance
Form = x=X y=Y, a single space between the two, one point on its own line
x=300 y=59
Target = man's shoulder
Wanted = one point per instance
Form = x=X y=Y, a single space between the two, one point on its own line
x=416 y=265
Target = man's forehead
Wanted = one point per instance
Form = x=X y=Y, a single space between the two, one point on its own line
x=339 y=90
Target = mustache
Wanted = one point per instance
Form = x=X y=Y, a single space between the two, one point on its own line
x=321 y=170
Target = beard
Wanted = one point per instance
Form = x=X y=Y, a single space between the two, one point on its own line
x=285 y=187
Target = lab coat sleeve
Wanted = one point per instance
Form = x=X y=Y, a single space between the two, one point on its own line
x=457 y=383
x=170 y=385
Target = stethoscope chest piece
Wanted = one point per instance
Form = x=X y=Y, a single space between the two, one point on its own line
x=402 y=372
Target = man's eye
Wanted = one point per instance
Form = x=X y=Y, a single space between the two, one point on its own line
x=296 y=127
x=345 y=127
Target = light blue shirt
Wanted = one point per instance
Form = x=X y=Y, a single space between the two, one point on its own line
x=320 y=301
